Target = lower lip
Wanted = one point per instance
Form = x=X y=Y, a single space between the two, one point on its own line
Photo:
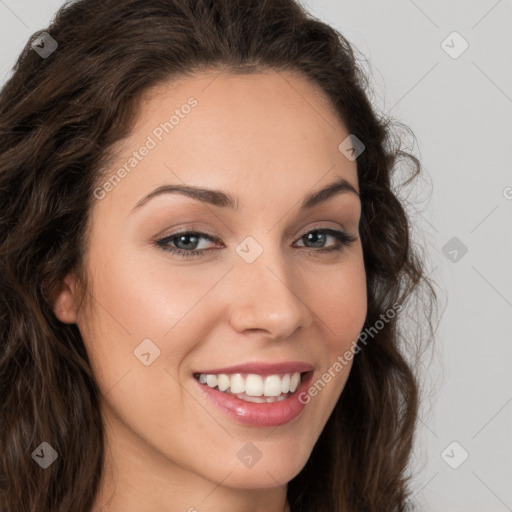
x=259 y=415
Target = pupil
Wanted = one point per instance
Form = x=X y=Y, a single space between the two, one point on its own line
x=316 y=235
x=182 y=237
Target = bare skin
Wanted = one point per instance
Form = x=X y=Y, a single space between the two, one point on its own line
x=269 y=139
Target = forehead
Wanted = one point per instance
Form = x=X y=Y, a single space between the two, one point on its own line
x=271 y=107
x=254 y=132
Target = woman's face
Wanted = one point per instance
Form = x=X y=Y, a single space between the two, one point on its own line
x=262 y=294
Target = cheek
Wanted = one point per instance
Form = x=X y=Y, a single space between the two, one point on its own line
x=147 y=296
x=338 y=297
x=339 y=300
x=140 y=297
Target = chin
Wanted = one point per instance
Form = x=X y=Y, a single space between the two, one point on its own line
x=275 y=469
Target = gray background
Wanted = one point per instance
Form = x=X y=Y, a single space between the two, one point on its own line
x=460 y=110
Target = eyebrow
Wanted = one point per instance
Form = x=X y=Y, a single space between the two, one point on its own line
x=224 y=200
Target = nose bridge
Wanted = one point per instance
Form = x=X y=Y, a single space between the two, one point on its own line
x=264 y=295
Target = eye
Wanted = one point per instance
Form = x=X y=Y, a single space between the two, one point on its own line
x=187 y=244
x=187 y=239
x=318 y=237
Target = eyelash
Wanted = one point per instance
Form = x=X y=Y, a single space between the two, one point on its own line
x=343 y=238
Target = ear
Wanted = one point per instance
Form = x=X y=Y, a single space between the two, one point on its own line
x=64 y=304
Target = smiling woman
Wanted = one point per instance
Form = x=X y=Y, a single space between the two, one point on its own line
x=198 y=237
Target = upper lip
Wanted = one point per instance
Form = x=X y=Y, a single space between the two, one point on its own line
x=262 y=368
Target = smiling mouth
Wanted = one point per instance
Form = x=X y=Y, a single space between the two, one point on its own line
x=253 y=387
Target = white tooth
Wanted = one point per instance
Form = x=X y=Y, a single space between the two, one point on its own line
x=285 y=383
x=294 y=382
x=223 y=382
x=211 y=380
x=280 y=397
x=202 y=378
x=271 y=399
x=255 y=399
x=237 y=384
x=253 y=385
x=272 y=386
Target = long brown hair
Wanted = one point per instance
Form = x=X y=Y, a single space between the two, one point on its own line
x=60 y=116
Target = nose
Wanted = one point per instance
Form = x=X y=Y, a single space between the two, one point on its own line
x=266 y=296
